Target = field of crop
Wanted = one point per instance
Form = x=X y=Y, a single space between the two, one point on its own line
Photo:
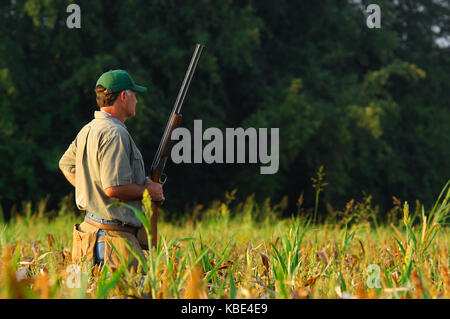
x=242 y=251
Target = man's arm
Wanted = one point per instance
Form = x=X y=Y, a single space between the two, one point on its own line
x=67 y=163
x=134 y=191
x=126 y=192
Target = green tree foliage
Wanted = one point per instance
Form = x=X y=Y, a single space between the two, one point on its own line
x=371 y=105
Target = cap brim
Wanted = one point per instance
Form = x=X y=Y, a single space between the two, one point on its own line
x=139 y=88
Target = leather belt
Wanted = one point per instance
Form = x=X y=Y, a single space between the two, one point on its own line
x=128 y=229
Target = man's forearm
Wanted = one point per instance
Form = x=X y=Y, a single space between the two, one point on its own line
x=126 y=192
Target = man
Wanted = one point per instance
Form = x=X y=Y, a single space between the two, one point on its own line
x=105 y=166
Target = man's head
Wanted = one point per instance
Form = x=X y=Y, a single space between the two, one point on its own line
x=117 y=89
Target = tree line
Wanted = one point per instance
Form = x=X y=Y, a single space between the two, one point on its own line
x=370 y=105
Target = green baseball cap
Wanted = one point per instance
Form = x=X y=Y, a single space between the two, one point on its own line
x=119 y=80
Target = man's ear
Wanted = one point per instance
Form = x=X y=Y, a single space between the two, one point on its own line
x=122 y=95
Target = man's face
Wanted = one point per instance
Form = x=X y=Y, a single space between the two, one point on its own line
x=130 y=103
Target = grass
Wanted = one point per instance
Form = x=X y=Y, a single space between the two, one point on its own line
x=241 y=251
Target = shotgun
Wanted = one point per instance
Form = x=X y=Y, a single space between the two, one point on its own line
x=165 y=146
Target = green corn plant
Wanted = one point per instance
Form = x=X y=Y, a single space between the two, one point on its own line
x=221 y=290
x=285 y=260
x=105 y=284
x=177 y=280
x=197 y=257
x=436 y=219
x=417 y=243
x=347 y=239
x=151 y=265
x=232 y=287
x=223 y=255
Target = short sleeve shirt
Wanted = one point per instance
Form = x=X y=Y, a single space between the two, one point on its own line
x=103 y=155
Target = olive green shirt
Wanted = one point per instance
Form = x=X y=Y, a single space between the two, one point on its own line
x=103 y=155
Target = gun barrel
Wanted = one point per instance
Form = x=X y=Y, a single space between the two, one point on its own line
x=188 y=77
x=177 y=108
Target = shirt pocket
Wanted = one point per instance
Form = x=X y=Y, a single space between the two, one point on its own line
x=138 y=168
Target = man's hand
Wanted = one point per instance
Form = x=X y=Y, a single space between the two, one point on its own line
x=155 y=190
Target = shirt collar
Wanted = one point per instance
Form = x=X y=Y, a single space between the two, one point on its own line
x=103 y=115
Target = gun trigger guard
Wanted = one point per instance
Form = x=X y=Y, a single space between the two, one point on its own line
x=163 y=178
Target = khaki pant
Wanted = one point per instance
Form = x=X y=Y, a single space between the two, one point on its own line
x=85 y=237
